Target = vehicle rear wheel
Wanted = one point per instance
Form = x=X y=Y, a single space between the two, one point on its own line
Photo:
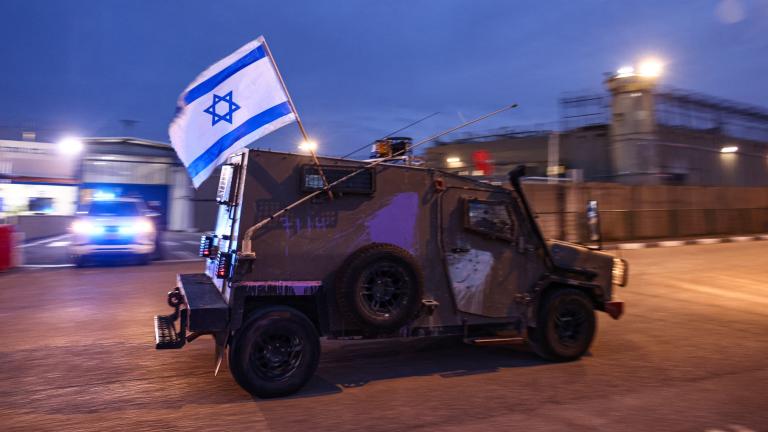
x=144 y=259
x=565 y=326
x=379 y=287
x=275 y=352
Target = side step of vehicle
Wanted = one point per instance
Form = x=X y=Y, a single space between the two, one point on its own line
x=166 y=335
x=494 y=340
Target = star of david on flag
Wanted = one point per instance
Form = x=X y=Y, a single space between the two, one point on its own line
x=230 y=105
x=227 y=116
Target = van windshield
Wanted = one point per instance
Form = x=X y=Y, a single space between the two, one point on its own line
x=113 y=208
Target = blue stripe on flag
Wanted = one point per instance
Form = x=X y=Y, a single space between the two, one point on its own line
x=211 y=83
x=226 y=141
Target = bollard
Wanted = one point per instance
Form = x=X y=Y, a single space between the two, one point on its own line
x=6 y=247
x=18 y=251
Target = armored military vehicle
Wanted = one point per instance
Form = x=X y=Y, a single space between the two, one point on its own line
x=392 y=251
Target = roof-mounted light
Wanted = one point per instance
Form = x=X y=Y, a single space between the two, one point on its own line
x=650 y=68
x=308 y=146
x=625 y=71
x=70 y=146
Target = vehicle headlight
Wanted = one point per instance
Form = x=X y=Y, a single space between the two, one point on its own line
x=620 y=272
x=140 y=226
x=86 y=227
x=144 y=226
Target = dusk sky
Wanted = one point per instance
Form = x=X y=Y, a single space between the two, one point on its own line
x=360 y=69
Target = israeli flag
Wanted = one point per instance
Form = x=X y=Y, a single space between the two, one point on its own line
x=232 y=104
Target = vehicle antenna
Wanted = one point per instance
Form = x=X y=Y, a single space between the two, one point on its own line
x=392 y=133
x=247 y=249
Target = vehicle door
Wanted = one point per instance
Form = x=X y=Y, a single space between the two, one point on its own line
x=480 y=230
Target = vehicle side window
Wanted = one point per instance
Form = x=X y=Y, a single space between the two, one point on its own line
x=492 y=218
x=364 y=182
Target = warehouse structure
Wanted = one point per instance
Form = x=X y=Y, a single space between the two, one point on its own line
x=43 y=185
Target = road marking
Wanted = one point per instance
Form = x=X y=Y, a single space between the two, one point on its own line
x=723 y=293
x=52 y=239
x=632 y=246
x=59 y=244
x=671 y=243
x=740 y=428
x=732 y=428
x=171 y=243
x=190 y=242
x=183 y=254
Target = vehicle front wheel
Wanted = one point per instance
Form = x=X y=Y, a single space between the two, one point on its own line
x=565 y=326
x=275 y=352
x=143 y=259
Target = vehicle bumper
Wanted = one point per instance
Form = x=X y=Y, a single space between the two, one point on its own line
x=199 y=309
x=129 y=249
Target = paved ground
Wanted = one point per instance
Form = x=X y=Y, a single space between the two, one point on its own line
x=690 y=355
x=53 y=251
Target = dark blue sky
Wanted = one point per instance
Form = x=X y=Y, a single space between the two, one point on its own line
x=359 y=69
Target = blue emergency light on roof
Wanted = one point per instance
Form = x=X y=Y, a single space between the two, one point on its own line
x=102 y=195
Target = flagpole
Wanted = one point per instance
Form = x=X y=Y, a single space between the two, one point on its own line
x=298 y=119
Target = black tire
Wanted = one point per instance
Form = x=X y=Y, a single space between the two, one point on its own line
x=565 y=326
x=79 y=261
x=275 y=352
x=144 y=259
x=379 y=288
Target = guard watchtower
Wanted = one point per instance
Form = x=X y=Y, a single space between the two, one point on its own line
x=634 y=152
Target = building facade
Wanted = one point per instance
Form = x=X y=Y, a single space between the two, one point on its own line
x=636 y=134
x=38 y=179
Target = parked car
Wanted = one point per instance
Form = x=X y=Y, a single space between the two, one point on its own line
x=115 y=227
x=399 y=251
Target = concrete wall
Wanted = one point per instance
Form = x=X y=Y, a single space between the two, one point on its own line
x=505 y=152
x=587 y=149
x=645 y=212
x=695 y=157
x=39 y=226
x=204 y=207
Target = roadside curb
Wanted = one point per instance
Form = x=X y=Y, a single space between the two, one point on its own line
x=686 y=242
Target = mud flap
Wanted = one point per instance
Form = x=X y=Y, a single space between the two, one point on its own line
x=221 y=339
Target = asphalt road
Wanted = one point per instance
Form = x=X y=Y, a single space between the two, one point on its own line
x=690 y=355
x=53 y=251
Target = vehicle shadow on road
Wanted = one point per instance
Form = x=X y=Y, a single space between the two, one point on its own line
x=355 y=364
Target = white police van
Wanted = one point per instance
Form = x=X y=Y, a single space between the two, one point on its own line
x=113 y=227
